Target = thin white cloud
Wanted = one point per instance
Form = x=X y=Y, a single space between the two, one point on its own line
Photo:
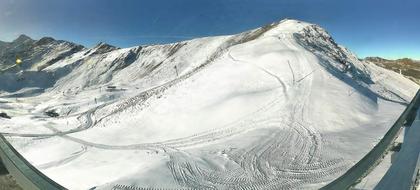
x=7 y=13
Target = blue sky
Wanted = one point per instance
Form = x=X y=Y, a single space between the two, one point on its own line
x=390 y=29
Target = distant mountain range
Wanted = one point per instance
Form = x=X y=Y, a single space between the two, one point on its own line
x=408 y=67
x=36 y=54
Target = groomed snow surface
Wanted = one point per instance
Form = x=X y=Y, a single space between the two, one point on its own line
x=279 y=107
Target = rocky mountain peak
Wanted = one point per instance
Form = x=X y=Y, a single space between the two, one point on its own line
x=103 y=48
x=45 y=40
x=22 y=38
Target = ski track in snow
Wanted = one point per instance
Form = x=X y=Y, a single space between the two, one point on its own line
x=271 y=164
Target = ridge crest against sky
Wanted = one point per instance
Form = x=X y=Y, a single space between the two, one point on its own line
x=389 y=29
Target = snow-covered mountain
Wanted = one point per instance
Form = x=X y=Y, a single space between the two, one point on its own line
x=36 y=54
x=279 y=107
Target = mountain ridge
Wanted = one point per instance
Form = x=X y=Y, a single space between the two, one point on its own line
x=410 y=68
x=34 y=51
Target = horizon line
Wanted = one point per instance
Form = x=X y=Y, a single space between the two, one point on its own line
x=181 y=39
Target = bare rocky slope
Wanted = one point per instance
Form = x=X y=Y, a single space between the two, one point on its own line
x=407 y=67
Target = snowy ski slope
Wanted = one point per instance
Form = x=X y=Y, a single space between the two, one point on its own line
x=279 y=107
